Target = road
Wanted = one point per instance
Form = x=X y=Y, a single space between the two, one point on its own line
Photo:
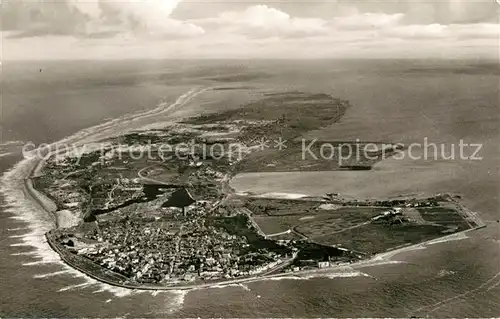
x=279 y=234
x=140 y=173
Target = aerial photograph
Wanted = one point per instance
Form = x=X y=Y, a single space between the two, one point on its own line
x=250 y=159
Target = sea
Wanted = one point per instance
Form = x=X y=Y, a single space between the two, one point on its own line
x=406 y=101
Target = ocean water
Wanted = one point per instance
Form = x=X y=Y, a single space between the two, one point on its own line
x=402 y=101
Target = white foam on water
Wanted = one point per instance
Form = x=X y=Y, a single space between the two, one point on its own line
x=85 y=284
x=453 y=237
x=244 y=287
x=52 y=274
x=28 y=253
x=39 y=221
x=6 y=154
x=18 y=228
x=121 y=292
x=175 y=299
x=341 y=275
x=378 y=262
x=12 y=143
x=385 y=258
x=329 y=275
x=41 y=262
x=10 y=148
x=99 y=291
x=20 y=245
x=16 y=236
x=118 y=292
x=219 y=286
x=16 y=218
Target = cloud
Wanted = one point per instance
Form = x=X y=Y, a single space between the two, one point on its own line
x=368 y=21
x=99 y=18
x=42 y=18
x=170 y=29
x=263 y=21
x=142 y=28
x=91 y=9
x=151 y=14
x=417 y=31
x=477 y=31
x=452 y=31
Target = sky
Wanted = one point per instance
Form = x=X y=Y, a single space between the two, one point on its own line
x=248 y=29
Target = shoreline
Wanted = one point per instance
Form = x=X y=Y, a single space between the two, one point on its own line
x=35 y=195
x=375 y=260
x=113 y=279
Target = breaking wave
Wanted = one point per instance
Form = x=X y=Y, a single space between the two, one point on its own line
x=10 y=148
x=329 y=275
x=22 y=208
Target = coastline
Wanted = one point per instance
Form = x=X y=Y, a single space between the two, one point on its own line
x=378 y=259
x=36 y=196
x=47 y=205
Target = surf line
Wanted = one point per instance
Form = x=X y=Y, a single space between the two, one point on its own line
x=13 y=185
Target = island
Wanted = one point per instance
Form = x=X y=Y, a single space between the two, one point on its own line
x=154 y=208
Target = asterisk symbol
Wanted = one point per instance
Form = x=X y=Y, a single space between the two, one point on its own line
x=263 y=144
x=280 y=143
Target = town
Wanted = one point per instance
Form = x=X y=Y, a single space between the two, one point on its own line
x=154 y=208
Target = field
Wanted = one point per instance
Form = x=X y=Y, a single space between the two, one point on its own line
x=307 y=217
x=281 y=207
x=367 y=230
x=371 y=238
x=443 y=216
x=315 y=155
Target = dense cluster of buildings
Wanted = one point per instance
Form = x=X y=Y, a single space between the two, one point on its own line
x=174 y=239
x=169 y=251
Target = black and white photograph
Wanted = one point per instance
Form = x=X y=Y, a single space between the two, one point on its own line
x=249 y=159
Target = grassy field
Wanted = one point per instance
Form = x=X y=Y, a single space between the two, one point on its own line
x=373 y=238
x=287 y=115
x=307 y=217
x=314 y=155
x=443 y=216
x=353 y=227
x=281 y=207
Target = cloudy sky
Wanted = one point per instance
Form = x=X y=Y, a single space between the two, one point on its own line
x=111 y=29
